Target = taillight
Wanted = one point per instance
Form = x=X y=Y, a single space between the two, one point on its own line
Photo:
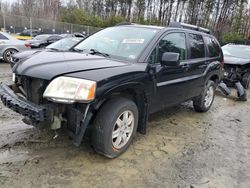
x=27 y=45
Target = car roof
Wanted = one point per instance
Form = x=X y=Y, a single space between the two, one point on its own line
x=163 y=28
x=143 y=26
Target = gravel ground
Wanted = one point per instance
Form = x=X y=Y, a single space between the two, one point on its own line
x=181 y=149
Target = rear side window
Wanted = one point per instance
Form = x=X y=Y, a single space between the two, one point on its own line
x=214 y=49
x=197 y=46
x=2 y=37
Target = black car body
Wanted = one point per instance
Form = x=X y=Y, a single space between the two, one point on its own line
x=140 y=70
x=61 y=45
x=41 y=41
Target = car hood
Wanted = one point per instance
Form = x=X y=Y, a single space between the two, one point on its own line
x=25 y=54
x=34 y=41
x=47 y=65
x=231 y=60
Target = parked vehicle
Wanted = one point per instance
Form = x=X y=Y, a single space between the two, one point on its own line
x=112 y=80
x=41 y=41
x=10 y=45
x=78 y=35
x=27 y=32
x=237 y=69
x=61 y=45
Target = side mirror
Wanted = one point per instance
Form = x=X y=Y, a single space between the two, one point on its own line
x=170 y=59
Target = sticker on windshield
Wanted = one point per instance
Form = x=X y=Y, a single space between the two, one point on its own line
x=133 y=41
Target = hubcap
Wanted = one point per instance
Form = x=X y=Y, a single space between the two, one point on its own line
x=123 y=129
x=209 y=96
x=9 y=54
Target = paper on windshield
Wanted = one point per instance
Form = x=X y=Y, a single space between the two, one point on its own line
x=133 y=41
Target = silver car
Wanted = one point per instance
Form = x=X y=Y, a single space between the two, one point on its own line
x=10 y=45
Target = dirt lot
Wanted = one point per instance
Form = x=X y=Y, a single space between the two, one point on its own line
x=182 y=149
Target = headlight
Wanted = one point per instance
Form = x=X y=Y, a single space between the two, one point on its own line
x=70 y=90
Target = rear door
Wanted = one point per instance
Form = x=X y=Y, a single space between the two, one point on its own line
x=197 y=64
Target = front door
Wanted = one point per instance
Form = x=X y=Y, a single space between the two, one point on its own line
x=171 y=86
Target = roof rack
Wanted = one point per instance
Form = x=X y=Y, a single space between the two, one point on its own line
x=189 y=26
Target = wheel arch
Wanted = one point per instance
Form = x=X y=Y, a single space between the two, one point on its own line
x=215 y=78
x=134 y=92
x=10 y=47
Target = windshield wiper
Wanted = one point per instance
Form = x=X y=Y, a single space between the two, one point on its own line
x=96 y=52
x=77 y=50
x=55 y=49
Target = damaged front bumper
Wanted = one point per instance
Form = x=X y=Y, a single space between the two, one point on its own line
x=74 y=118
x=18 y=104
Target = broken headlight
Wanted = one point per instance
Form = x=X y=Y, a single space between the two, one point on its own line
x=70 y=90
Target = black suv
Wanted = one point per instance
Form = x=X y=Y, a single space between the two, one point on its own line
x=111 y=81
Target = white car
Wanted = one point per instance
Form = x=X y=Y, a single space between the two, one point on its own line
x=10 y=45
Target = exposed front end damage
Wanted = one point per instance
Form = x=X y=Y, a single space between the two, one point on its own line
x=40 y=112
x=238 y=77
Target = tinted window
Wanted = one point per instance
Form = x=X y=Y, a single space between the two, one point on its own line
x=213 y=47
x=197 y=46
x=2 y=37
x=174 y=42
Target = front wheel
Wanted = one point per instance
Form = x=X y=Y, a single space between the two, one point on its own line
x=114 y=127
x=8 y=54
x=203 y=102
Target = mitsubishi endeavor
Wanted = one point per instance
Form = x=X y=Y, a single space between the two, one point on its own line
x=113 y=80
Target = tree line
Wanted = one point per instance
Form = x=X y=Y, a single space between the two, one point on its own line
x=228 y=19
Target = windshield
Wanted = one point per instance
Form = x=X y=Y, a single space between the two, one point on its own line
x=41 y=37
x=121 y=42
x=64 y=44
x=237 y=51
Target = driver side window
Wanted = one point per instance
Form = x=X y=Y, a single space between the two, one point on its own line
x=173 y=42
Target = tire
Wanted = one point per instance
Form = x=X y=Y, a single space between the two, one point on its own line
x=203 y=102
x=246 y=80
x=106 y=127
x=8 y=53
x=243 y=97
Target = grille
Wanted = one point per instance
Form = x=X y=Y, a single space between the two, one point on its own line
x=33 y=88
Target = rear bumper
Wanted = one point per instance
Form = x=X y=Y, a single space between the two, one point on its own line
x=20 y=105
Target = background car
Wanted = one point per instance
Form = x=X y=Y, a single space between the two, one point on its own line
x=27 y=32
x=61 y=45
x=237 y=63
x=41 y=41
x=237 y=69
x=10 y=45
x=64 y=35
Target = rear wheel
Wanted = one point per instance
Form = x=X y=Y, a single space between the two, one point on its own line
x=203 y=102
x=114 y=127
x=8 y=54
